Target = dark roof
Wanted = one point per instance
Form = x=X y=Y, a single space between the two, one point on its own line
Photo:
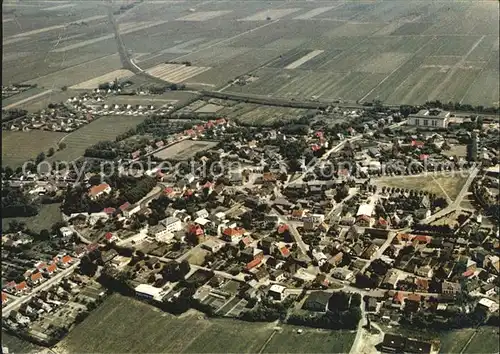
x=416 y=346
x=317 y=301
x=393 y=341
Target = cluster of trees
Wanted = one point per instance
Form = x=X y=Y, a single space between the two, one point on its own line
x=15 y=203
x=103 y=150
x=433 y=229
x=454 y=320
x=13 y=113
x=344 y=312
x=267 y=311
x=457 y=106
x=131 y=190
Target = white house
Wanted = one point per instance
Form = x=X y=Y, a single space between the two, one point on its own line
x=429 y=118
x=277 y=292
x=172 y=224
x=66 y=232
x=213 y=244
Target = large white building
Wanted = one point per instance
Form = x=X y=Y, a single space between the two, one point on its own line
x=149 y=292
x=172 y=224
x=429 y=118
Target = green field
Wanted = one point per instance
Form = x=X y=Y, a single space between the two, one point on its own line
x=310 y=340
x=454 y=341
x=127 y=325
x=486 y=341
x=17 y=345
x=104 y=128
x=19 y=147
x=49 y=214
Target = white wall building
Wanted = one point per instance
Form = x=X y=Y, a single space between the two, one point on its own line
x=430 y=119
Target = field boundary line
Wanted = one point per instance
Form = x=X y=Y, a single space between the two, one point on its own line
x=267 y=341
x=454 y=69
x=476 y=78
x=397 y=68
x=20 y=102
x=468 y=342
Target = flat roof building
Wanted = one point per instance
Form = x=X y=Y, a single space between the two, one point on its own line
x=433 y=118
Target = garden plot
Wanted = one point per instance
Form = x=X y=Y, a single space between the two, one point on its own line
x=209 y=108
x=350 y=29
x=383 y=62
x=203 y=15
x=458 y=45
x=347 y=10
x=215 y=55
x=304 y=59
x=272 y=14
x=266 y=115
x=176 y=72
x=109 y=77
x=184 y=150
x=58 y=7
x=288 y=58
x=411 y=28
x=313 y=13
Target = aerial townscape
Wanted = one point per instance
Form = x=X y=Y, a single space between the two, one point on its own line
x=231 y=176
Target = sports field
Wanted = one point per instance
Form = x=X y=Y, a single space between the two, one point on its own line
x=126 y=325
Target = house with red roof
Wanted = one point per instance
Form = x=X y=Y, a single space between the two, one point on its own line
x=5 y=299
x=220 y=121
x=135 y=154
x=66 y=260
x=21 y=288
x=282 y=228
x=315 y=147
x=253 y=264
x=233 y=234
x=417 y=144
x=285 y=251
x=51 y=269
x=109 y=237
x=36 y=278
x=364 y=221
x=246 y=241
x=109 y=211
x=10 y=286
x=99 y=190
x=196 y=233
x=382 y=223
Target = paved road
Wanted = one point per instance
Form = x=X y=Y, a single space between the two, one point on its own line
x=14 y=305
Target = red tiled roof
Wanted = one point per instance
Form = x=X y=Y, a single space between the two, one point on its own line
x=398 y=297
x=95 y=190
x=52 y=268
x=344 y=172
x=168 y=190
x=220 y=121
x=41 y=266
x=11 y=284
x=124 y=206
x=234 y=231
x=417 y=143
x=196 y=230
x=315 y=147
x=108 y=236
x=414 y=297
x=109 y=211
x=382 y=221
x=423 y=157
x=36 y=276
x=66 y=259
x=21 y=286
x=284 y=251
x=319 y=134
x=4 y=298
x=246 y=240
x=282 y=228
x=208 y=185
x=253 y=264
x=468 y=273
x=422 y=283
x=422 y=238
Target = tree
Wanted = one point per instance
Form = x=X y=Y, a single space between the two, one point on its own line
x=8 y=172
x=62 y=146
x=44 y=235
x=40 y=158
x=64 y=88
x=50 y=152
